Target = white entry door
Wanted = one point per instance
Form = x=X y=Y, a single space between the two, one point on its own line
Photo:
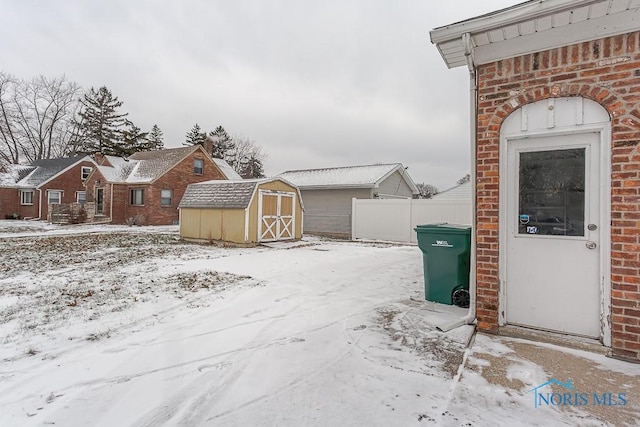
x=553 y=254
x=276 y=216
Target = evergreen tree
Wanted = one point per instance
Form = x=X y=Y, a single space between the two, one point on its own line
x=223 y=145
x=251 y=168
x=195 y=136
x=133 y=140
x=155 y=138
x=100 y=123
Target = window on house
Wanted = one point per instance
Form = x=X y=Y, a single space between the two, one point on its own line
x=54 y=197
x=26 y=197
x=81 y=197
x=198 y=166
x=86 y=170
x=166 y=197
x=137 y=197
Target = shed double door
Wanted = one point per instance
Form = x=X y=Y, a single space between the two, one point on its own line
x=276 y=216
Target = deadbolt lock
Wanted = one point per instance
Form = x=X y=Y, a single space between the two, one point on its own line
x=592 y=227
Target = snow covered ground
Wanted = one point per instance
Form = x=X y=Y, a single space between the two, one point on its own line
x=107 y=325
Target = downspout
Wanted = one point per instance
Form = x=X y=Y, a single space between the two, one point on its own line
x=40 y=203
x=473 y=97
x=111 y=204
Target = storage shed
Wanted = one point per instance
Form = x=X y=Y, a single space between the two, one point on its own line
x=242 y=211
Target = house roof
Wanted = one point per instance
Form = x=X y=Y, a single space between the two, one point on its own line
x=222 y=194
x=533 y=26
x=227 y=170
x=11 y=174
x=366 y=176
x=38 y=172
x=151 y=165
x=146 y=166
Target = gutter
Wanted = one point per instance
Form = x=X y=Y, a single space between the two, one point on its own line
x=470 y=318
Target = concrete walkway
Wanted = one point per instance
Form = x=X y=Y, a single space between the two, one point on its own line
x=517 y=366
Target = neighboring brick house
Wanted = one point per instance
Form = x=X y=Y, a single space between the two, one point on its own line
x=26 y=191
x=147 y=187
x=555 y=98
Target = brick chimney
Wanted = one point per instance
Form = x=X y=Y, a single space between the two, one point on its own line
x=207 y=144
x=98 y=158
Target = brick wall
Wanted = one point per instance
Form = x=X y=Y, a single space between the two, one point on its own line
x=69 y=183
x=606 y=71
x=10 y=202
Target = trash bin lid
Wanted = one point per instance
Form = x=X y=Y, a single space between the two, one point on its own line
x=444 y=227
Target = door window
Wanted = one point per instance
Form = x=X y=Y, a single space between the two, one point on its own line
x=552 y=192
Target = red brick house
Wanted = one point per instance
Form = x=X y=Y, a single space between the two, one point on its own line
x=555 y=142
x=147 y=187
x=26 y=191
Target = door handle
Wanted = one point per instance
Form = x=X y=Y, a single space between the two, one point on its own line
x=591 y=245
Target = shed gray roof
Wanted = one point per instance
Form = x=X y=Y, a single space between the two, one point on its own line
x=219 y=194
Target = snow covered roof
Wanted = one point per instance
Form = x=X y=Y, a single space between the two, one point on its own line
x=10 y=174
x=38 y=172
x=219 y=194
x=223 y=194
x=366 y=176
x=146 y=166
x=151 y=165
x=226 y=169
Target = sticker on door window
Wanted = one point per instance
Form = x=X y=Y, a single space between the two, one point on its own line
x=552 y=192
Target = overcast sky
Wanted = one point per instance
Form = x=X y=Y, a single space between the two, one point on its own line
x=316 y=83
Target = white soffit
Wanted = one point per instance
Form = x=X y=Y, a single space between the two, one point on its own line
x=534 y=26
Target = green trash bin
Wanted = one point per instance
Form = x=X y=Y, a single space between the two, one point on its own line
x=446 y=253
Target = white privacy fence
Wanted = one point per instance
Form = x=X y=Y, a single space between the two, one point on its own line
x=394 y=220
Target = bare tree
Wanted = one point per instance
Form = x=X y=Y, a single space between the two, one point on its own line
x=36 y=117
x=9 y=140
x=427 y=191
x=248 y=158
x=464 y=179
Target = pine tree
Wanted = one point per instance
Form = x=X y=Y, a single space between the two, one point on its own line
x=155 y=138
x=133 y=140
x=251 y=168
x=195 y=136
x=223 y=145
x=100 y=122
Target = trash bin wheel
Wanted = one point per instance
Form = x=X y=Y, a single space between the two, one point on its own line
x=460 y=297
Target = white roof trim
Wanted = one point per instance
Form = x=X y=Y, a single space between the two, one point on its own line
x=405 y=177
x=534 y=26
